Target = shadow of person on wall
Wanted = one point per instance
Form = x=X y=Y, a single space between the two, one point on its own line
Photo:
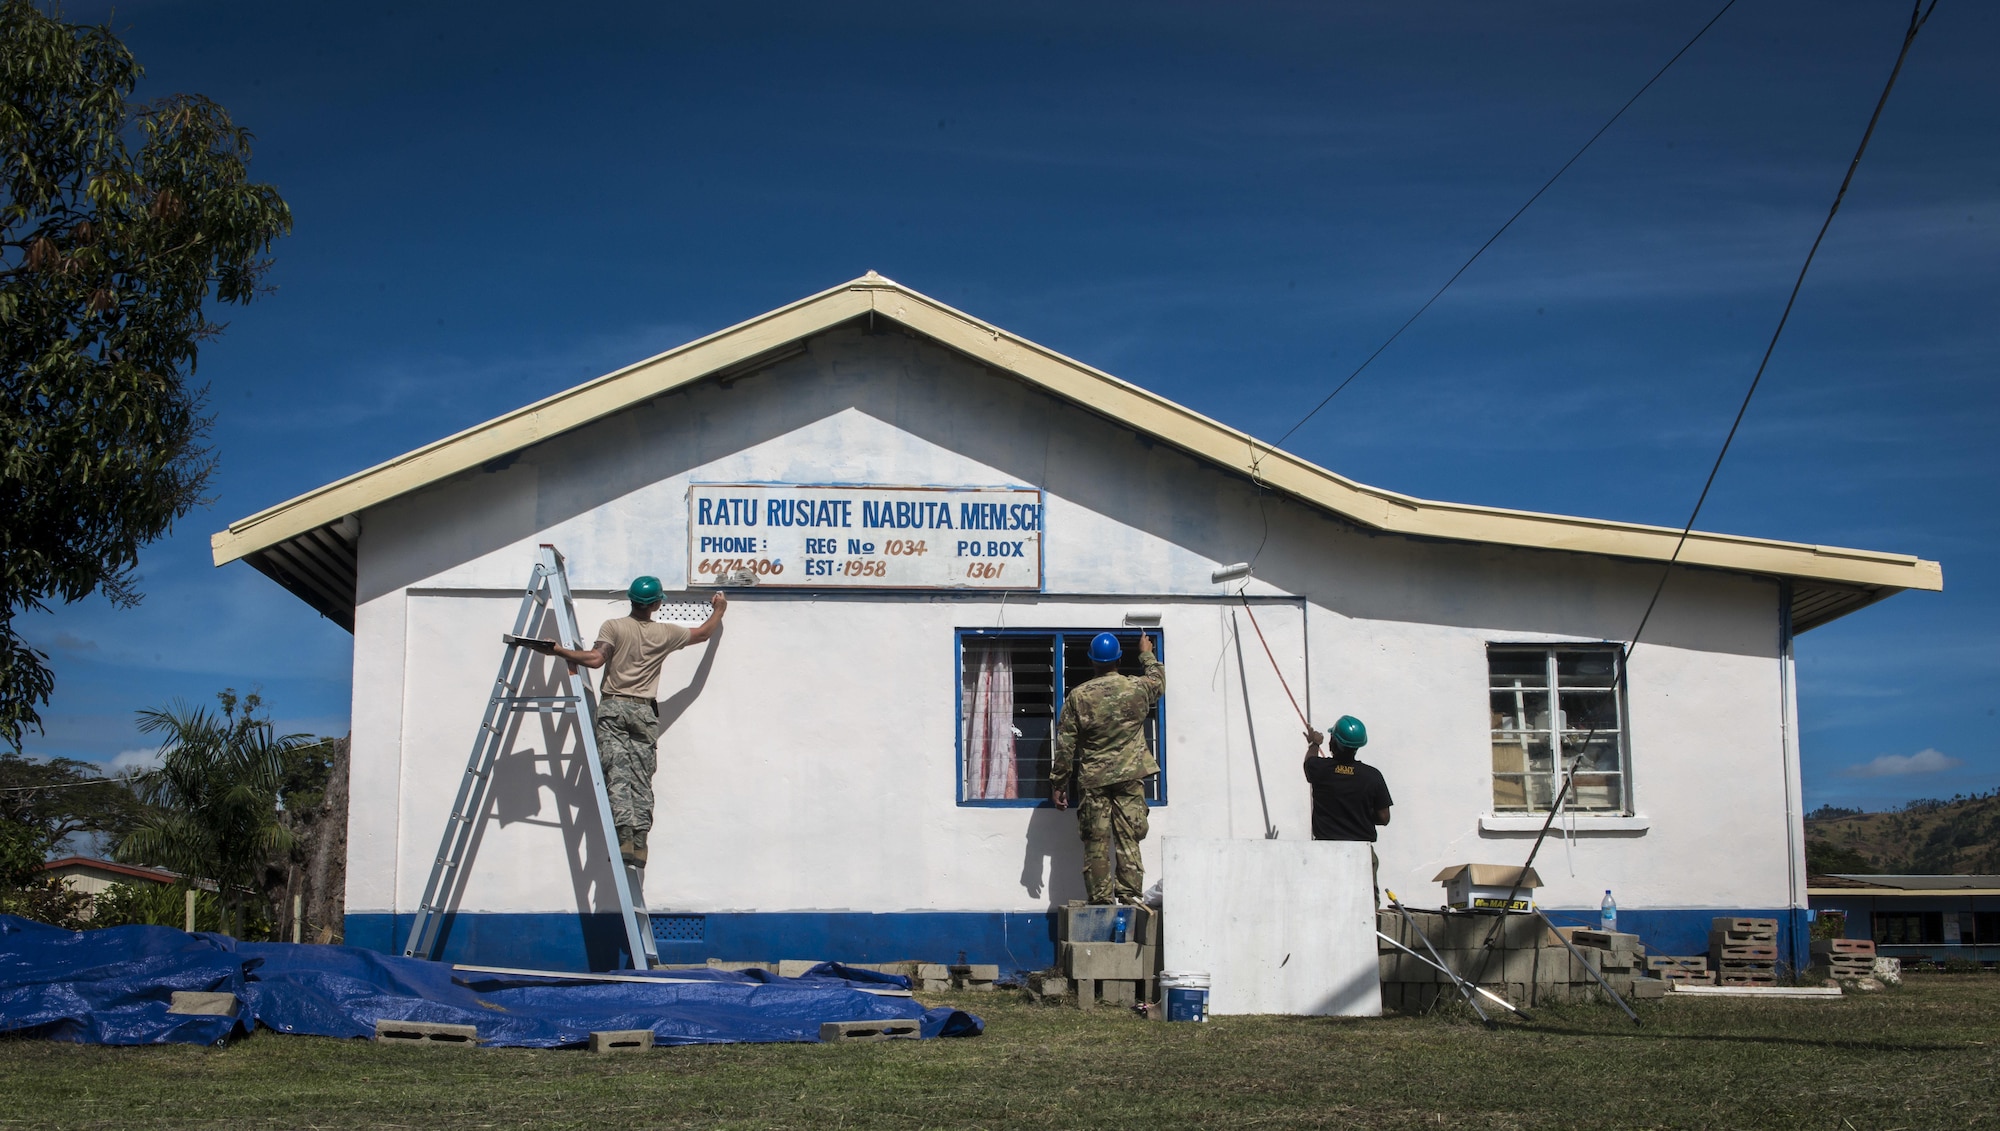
x=676 y=705
x=1052 y=865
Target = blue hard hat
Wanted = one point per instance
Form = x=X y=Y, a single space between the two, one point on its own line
x=1104 y=649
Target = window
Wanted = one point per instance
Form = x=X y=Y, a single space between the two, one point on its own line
x=1541 y=695
x=1907 y=927
x=1011 y=684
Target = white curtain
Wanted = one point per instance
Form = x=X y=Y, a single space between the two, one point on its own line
x=989 y=728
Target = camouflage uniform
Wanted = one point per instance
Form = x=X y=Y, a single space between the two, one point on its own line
x=1102 y=737
x=626 y=731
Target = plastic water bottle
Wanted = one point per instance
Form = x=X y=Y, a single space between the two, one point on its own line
x=1607 y=913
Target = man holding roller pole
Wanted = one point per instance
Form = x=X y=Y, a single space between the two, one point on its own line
x=631 y=649
x=1101 y=737
x=1349 y=797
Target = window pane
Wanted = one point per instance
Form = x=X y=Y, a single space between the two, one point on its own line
x=1517 y=711
x=1513 y=666
x=1586 y=667
x=1585 y=711
x=1509 y=792
x=1013 y=678
x=1597 y=793
x=1510 y=756
x=1600 y=753
x=1077 y=669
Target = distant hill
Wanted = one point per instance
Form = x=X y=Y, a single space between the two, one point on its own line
x=1923 y=838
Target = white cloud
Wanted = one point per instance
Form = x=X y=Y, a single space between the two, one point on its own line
x=145 y=759
x=1925 y=761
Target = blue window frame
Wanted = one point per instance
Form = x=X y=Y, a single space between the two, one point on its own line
x=1034 y=668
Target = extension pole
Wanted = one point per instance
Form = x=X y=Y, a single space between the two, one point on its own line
x=1462 y=984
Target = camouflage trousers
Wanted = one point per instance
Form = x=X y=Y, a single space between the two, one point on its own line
x=1113 y=817
x=626 y=732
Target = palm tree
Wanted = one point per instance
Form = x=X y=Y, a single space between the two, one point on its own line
x=213 y=797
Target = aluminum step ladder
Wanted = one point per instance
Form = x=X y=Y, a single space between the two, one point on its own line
x=548 y=595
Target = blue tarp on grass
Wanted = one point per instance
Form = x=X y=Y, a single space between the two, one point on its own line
x=113 y=986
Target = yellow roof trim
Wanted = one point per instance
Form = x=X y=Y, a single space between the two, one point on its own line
x=1071 y=380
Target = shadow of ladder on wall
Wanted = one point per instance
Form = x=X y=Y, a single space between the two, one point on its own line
x=547 y=592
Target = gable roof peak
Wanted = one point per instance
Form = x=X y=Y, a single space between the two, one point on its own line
x=307 y=544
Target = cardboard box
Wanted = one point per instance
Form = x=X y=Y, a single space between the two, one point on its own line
x=1485 y=886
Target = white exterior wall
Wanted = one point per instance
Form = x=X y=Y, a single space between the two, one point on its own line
x=810 y=762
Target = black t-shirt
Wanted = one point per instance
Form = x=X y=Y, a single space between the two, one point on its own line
x=1346 y=797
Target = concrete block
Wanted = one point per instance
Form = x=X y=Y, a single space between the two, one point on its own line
x=621 y=1040
x=1120 y=992
x=1758 y=927
x=847 y=1032
x=1086 y=993
x=1615 y=941
x=1857 y=947
x=793 y=967
x=739 y=967
x=428 y=1033
x=1106 y=960
x=931 y=971
x=1647 y=989
x=977 y=972
x=203 y=1004
x=1720 y=951
x=1046 y=985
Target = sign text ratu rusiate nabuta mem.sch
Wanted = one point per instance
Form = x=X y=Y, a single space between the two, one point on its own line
x=811 y=537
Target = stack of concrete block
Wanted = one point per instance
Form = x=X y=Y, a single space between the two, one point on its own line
x=1743 y=952
x=1848 y=960
x=1681 y=969
x=1621 y=959
x=1525 y=963
x=1103 y=961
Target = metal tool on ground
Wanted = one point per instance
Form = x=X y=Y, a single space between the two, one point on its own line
x=547 y=596
x=1586 y=963
x=1452 y=974
x=1464 y=988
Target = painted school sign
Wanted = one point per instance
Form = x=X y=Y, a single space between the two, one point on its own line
x=805 y=536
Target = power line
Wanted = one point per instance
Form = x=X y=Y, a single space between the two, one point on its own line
x=1916 y=24
x=1919 y=15
x=1510 y=223
x=61 y=785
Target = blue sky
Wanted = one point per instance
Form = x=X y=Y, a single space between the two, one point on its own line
x=1229 y=204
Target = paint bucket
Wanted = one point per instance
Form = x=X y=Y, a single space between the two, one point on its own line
x=1185 y=994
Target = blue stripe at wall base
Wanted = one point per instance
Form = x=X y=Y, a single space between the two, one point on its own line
x=1016 y=941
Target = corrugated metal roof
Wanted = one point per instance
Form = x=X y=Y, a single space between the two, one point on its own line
x=307 y=544
x=1919 y=883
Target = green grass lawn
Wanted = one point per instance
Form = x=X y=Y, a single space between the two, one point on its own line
x=1925 y=1055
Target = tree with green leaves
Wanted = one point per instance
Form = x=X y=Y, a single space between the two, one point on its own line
x=118 y=223
x=214 y=795
x=55 y=799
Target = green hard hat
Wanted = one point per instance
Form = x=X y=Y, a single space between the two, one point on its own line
x=1350 y=733
x=646 y=591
